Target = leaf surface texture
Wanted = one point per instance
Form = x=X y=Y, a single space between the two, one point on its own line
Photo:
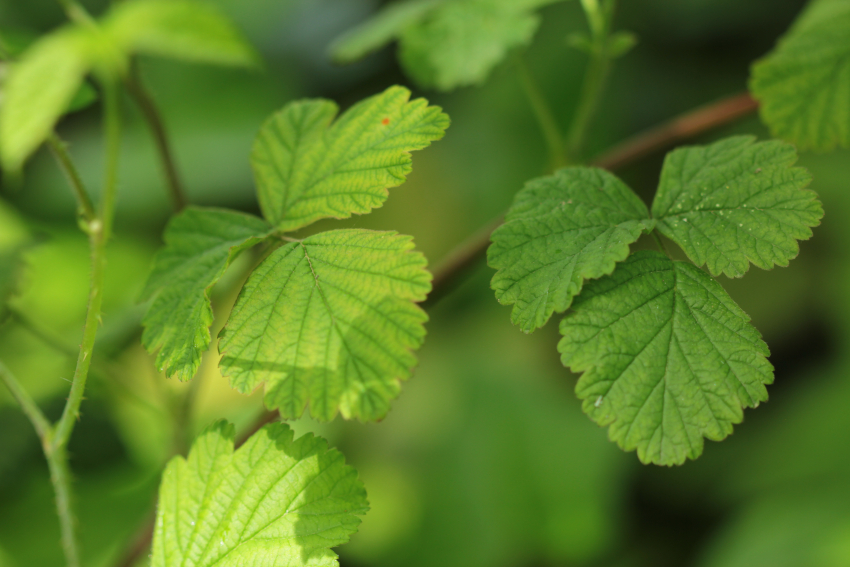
x=560 y=231
x=308 y=166
x=667 y=357
x=274 y=502
x=330 y=320
x=736 y=202
x=199 y=245
x=804 y=84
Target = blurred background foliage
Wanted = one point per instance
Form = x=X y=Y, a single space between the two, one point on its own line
x=486 y=458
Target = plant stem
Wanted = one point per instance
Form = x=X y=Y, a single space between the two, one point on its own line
x=595 y=77
x=28 y=405
x=154 y=119
x=543 y=112
x=59 y=149
x=660 y=244
x=76 y=13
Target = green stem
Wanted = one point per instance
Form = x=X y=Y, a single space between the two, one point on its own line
x=28 y=405
x=594 y=80
x=60 y=477
x=59 y=149
x=76 y=13
x=660 y=244
x=542 y=111
x=112 y=118
x=149 y=110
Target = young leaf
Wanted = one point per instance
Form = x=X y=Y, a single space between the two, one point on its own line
x=561 y=230
x=199 y=245
x=735 y=202
x=446 y=44
x=180 y=29
x=40 y=87
x=307 y=168
x=274 y=501
x=329 y=320
x=804 y=84
x=667 y=357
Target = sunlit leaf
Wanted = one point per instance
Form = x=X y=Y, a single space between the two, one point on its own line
x=736 y=202
x=309 y=166
x=180 y=29
x=274 y=501
x=667 y=357
x=330 y=320
x=560 y=231
x=199 y=245
x=804 y=84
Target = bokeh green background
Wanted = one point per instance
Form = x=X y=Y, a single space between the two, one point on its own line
x=485 y=459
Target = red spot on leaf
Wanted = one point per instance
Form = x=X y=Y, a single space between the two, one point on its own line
x=385 y=121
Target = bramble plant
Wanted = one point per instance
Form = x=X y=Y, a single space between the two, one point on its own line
x=327 y=321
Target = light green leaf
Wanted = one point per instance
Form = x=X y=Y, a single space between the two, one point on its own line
x=40 y=87
x=735 y=202
x=446 y=44
x=667 y=357
x=561 y=230
x=199 y=245
x=307 y=168
x=180 y=29
x=274 y=501
x=380 y=30
x=331 y=321
x=804 y=84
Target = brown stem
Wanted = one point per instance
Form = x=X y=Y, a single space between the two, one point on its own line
x=467 y=253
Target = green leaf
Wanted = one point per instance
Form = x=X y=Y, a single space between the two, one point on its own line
x=735 y=202
x=180 y=29
x=331 y=321
x=804 y=84
x=380 y=30
x=199 y=245
x=667 y=357
x=274 y=501
x=39 y=90
x=446 y=44
x=308 y=168
x=561 y=230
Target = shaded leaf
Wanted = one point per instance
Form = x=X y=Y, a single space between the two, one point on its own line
x=561 y=230
x=330 y=320
x=804 y=84
x=180 y=29
x=667 y=357
x=199 y=245
x=308 y=166
x=274 y=501
x=735 y=202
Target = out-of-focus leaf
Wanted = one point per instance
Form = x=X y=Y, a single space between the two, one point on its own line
x=735 y=202
x=199 y=245
x=804 y=84
x=561 y=230
x=668 y=357
x=40 y=88
x=274 y=501
x=446 y=44
x=180 y=29
x=308 y=166
x=331 y=321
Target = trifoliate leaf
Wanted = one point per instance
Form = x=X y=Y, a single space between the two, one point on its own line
x=199 y=245
x=308 y=168
x=40 y=87
x=180 y=29
x=804 y=84
x=274 y=501
x=329 y=320
x=735 y=202
x=446 y=44
x=561 y=230
x=668 y=358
